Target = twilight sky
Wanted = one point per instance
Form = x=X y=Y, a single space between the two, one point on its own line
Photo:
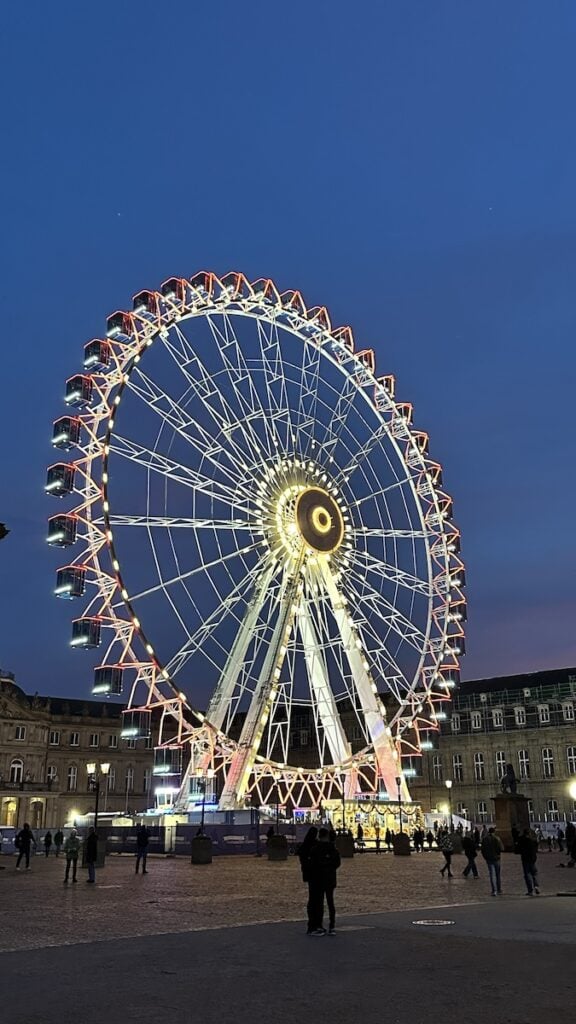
x=411 y=166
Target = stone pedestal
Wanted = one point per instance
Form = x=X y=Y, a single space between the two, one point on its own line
x=277 y=847
x=510 y=811
x=201 y=850
x=401 y=844
x=345 y=845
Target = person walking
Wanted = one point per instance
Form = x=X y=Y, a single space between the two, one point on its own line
x=58 y=840
x=47 y=843
x=492 y=849
x=429 y=839
x=527 y=847
x=91 y=855
x=377 y=837
x=304 y=858
x=142 y=839
x=447 y=847
x=23 y=842
x=360 y=838
x=71 y=850
x=388 y=839
x=470 y=851
x=324 y=862
x=560 y=839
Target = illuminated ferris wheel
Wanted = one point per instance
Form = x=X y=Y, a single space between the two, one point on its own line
x=265 y=551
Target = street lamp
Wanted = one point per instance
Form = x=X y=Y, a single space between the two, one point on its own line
x=399 y=784
x=343 y=785
x=201 y=783
x=94 y=772
x=448 y=785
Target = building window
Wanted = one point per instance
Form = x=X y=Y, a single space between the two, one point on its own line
x=482 y=810
x=52 y=773
x=531 y=814
x=130 y=743
x=129 y=780
x=568 y=712
x=20 y=733
x=476 y=719
x=544 y=714
x=113 y=742
x=72 y=781
x=74 y=739
x=520 y=716
x=455 y=723
x=54 y=738
x=498 y=718
x=553 y=812
x=147 y=779
x=148 y=743
x=111 y=779
x=548 y=762
x=500 y=764
x=457 y=769
x=304 y=737
x=16 y=770
x=437 y=773
x=94 y=739
x=524 y=764
x=571 y=760
x=479 y=767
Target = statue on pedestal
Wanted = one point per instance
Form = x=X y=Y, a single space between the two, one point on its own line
x=508 y=784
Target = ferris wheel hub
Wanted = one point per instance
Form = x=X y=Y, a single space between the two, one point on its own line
x=319 y=520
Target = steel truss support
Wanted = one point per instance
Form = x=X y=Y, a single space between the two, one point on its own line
x=387 y=758
x=238 y=777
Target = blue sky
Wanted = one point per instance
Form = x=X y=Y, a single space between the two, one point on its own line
x=409 y=165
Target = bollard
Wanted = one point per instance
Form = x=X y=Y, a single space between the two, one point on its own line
x=201 y=850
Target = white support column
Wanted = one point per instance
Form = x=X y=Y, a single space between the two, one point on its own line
x=388 y=761
x=263 y=697
x=224 y=691
x=320 y=685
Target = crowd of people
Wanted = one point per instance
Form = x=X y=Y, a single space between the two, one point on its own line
x=25 y=842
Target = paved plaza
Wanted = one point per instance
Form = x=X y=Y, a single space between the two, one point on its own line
x=226 y=942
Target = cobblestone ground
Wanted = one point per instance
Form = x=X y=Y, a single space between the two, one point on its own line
x=175 y=896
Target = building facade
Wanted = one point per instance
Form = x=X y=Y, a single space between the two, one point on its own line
x=46 y=744
x=527 y=721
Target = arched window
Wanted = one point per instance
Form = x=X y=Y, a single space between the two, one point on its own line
x=17 y=770
x=51 y=773
x=129 y=780
x=72 y=778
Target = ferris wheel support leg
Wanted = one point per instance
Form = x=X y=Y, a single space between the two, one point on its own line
x=224 y=691
x=263 y=697
x=327 y=711
x=387 y=759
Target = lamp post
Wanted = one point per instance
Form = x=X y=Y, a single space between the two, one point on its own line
x=399 y=784
x=448 y=785
x=94 y=772
x=343 y=790
x=202 y=779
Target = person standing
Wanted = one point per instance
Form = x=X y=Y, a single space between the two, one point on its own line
x=527 y=847
x=24 y=840
x=58 y=840
x=360 y=838
x=429 y=839
x=447 y=847
x=492 y=850
x=142 y=838
x=388 y=839
x=470 y=852
x=91 y=855
x=324 y=862
x=47 y=843
x=560 y=839
x=71 y=850
x=304 y=858
x=377 y=837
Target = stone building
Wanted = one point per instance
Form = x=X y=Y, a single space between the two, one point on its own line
x=45 y=746
x=525 y=720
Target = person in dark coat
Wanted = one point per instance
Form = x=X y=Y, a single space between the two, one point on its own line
x=23 y=842
x=47 y=843
x=58 y=841
x=91 y=855
x=142 y=839
x=470 y=851
x=527 y=847
x=304 y=858
x=323 y=863
x=446 y=845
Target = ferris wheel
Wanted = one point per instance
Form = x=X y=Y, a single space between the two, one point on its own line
x=264 y=549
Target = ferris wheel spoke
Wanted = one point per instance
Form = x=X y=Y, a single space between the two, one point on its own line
x=320 y=687
x=391 y=573
x=208 y=627
x=364 y=451
x=275 y=380
x=384 y=534
x=186 y=426
x=388 y=612
x=242 y=384
x=176 y=471
x=194 y=572
x=205 y=389
x=178 y=522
